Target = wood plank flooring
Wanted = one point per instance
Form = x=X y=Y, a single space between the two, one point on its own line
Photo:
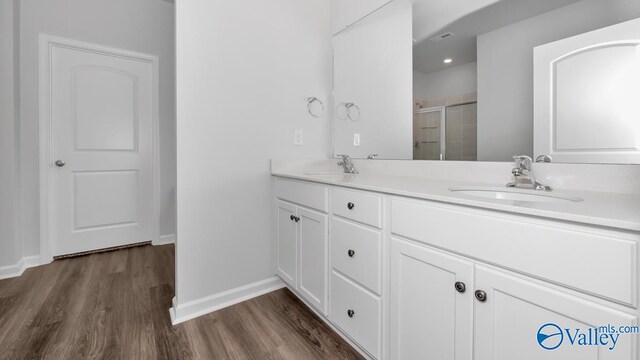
x=115 y=306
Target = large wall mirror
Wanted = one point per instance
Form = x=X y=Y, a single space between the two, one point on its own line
x=463 y=80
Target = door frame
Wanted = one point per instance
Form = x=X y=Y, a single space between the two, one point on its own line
x=443 y=126
x=46 y=43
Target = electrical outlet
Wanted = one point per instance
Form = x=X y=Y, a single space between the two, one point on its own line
x=356 y=139
x=298 y=137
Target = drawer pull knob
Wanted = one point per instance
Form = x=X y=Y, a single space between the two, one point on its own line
x=350 y=206
x=296 y=219
x=350 y=313
x=481 y=295
x=461 y=287
x=351 y=253
x=292 y=218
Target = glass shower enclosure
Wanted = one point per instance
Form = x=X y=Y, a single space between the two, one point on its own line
x=446 y=133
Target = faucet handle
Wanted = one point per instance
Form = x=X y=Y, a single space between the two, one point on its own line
x=523 y=162
x=543 y=159
x=345 y=157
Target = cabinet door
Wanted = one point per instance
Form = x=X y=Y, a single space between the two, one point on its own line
x=287 y=242
x=519 y=317
x=430 y=318
x=313 y=258
x=585 y=88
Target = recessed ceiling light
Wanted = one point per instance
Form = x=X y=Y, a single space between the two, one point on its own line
x=447 y=61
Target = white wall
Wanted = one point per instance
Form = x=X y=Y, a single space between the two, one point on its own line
x=10 y=249
x=244 y=72
x=505 y=71
x=455 y=81
x=372 y=69
x=143 y=25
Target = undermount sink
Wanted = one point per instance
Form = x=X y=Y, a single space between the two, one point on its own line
x=511 y=195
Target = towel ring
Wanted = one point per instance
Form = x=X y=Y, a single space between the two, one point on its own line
x=353 y=111
x=310 y=102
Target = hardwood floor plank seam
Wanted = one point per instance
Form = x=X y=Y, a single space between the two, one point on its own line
x=113 y=305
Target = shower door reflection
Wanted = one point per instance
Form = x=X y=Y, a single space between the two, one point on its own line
x=427 y=134
x=461 y=132
x=446 y=133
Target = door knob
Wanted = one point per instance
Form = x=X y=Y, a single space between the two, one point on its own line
x=350 y=206
x=351 y=253
x=60 y=163
x=481 y=295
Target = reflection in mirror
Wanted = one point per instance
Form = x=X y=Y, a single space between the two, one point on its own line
x=473 y=78
x=586 y=92
x=372 y=85
x=483 y=51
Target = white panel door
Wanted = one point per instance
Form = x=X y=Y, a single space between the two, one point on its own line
x=313 y=258
x=287 y=238
x=431 y=304
x=101 y=128
x=526 y=321
x=586 y=93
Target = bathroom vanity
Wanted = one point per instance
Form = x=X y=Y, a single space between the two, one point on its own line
x=405 y=268
x=441 y=260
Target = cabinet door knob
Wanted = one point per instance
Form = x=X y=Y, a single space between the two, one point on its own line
x=60 y=163
x=296 y=219
x=460 y=287
x=481 y=295
x=350 y=205
x=351 y=253
x=350 y=313
x=292 y=217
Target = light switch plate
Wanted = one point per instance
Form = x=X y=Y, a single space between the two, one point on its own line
x=298 y=137
x=356 y=139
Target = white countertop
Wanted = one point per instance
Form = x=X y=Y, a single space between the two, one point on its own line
x=614 y=210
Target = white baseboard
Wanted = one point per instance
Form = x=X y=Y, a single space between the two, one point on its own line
x=166 y=239
x=172 y=312
x=192 y=309
x=17 y=269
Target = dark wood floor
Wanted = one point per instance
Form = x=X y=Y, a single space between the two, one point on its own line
x=115 y=306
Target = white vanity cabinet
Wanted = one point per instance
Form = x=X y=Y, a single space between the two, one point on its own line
x=507 y=322
x=433 y=314
x=512 y=267
x=405 y=278
x=302 y=239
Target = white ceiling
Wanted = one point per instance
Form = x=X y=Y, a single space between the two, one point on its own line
x=466 y=19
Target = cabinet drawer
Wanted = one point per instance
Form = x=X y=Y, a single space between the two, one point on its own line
x=356 y=205
x=356 y=251
x=356 y=312
x=303 y=193
x=586 y=259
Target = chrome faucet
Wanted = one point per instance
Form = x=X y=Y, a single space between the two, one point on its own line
x=347 y=164
x=523 y=175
